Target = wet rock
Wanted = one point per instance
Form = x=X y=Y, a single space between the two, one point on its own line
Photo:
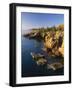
x=41 y=62
x=61 y=49
x=39 y=59
x=55 y=66
x=37 y=56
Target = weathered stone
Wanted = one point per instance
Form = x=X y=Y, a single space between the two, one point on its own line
x=55 y=66
x=36 y=56
x=41 y=61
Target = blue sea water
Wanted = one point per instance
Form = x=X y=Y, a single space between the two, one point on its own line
x=29 y=66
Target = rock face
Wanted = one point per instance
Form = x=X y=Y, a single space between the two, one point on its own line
x=54 y=43
x=61 y=49
x=53 y=39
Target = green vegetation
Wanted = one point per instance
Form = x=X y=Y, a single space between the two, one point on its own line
x=53 y=45
x=53 y=39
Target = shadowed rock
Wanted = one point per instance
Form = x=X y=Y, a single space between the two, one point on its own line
x=37 y=56
x=55 y=66
x=41 y=61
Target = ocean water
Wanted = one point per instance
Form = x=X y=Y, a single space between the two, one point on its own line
x=29 y=66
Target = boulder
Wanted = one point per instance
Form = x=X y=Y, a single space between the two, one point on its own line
x=41 y=61
x=55 y=66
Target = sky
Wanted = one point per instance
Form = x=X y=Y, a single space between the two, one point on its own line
x=38 y=20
